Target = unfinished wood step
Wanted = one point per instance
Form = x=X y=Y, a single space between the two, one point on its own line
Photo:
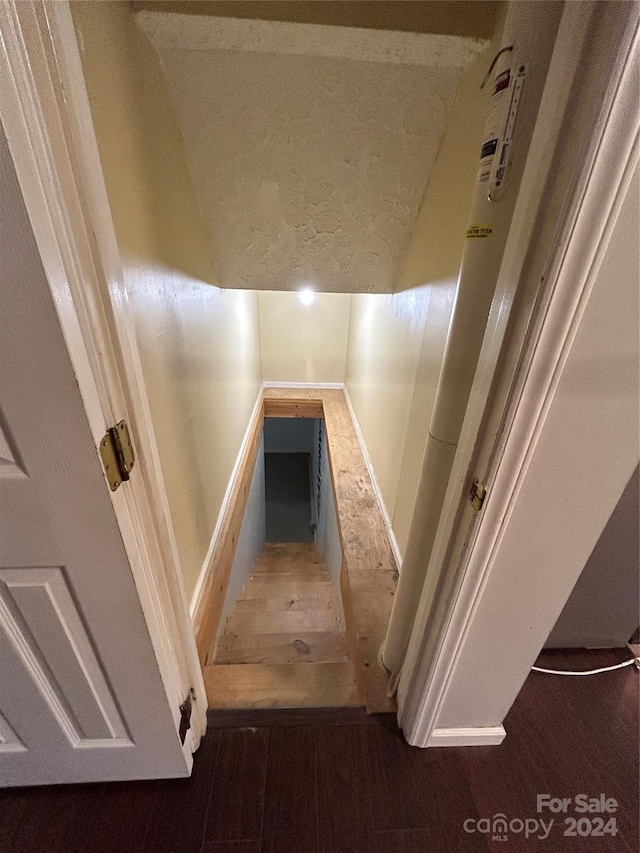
x=293 y=685
x=328 y=647
x=273 y=585
x=282 y=560
x=289 y=559
x=291 y=547
x=281 y=622
x=317 y=573
x=287 y=602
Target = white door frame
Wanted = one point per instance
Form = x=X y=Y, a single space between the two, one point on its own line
x=46 y=116
x=465 y=542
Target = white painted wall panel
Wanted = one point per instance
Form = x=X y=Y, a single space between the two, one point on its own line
x=199 y=345
x=303 y=343
x=251 y=539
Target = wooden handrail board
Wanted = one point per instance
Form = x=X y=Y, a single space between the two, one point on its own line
x=368 y=562
x=211 y=601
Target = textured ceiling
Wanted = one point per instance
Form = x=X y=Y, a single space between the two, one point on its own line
x=310 y=147
x=447 y=17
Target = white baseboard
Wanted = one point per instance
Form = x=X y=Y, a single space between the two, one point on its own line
x=397 y=553
x=487 y=736
x=336 y=385
x=206 y=566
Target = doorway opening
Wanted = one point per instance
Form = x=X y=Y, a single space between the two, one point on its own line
x=299 y=623
x=288 y=560
x=283 y=615
x=292 y=458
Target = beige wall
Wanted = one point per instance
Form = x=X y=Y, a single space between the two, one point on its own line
x=199 y=345
x=427 y=16
x=396 y=342
x=303 y=343
x=385 y=337
x=204 y=351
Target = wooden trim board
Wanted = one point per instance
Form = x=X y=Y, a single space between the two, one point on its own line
x=216 y=580
x=198 y=594
x=281 y=407
x=397 y=553
x=350 y=628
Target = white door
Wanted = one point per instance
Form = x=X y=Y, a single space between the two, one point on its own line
x=81 y=697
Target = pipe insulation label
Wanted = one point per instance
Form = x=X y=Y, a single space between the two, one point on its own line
x=479 y=232
x=504 y=156
x=495 y=124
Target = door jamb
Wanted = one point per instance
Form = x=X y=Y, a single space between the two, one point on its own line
x=46 y=116
x=465 y=542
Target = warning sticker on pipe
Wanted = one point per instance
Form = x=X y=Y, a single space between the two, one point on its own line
x=495 y=124
x=479 y=232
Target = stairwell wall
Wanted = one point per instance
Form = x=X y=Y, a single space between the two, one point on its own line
x=396 y=341
x=303 y=343
x=199 y=345
x=251 y=539
x=205 y=351
x=328 y=533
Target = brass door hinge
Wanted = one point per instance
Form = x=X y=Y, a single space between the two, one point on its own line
x=477 y=494
x=116 y=452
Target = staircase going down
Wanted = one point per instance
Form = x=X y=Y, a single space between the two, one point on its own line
x=284 y=644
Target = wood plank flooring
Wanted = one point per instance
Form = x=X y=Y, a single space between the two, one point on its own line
x=284 y=644
x=282 y=685
x=342 y=781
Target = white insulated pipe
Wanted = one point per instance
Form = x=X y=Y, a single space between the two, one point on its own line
x=517 y=81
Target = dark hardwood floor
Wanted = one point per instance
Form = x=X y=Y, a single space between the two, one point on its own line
x=340 y=782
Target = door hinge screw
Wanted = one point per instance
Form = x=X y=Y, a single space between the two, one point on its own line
x=477 y=494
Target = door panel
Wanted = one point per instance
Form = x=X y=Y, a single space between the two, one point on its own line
x=9 y=740
x=81 y=697
x=46 y=631
x=9 y=467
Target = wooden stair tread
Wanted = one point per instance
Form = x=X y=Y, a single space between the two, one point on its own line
x=291 y=547
x=280 y=622
x=297 y=562
x=291 y=685
x=294 y=552
x=296 y=574
x=287 y=602
x=272 y=585
x=286 y=648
